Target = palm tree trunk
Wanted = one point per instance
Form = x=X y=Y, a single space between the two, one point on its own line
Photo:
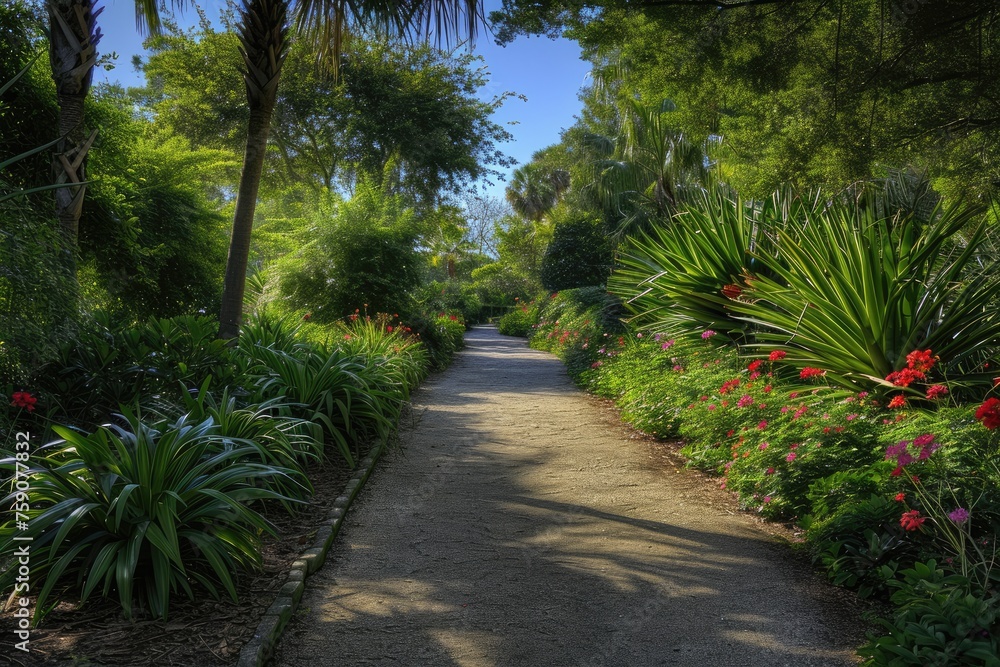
x=73 y=38
x=264 y=44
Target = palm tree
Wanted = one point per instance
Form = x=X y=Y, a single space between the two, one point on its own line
x=73 y=39
x=263 y=34
x=645 y=172
x=534 y=190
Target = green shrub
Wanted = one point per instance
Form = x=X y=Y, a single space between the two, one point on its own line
x=106 y=367
x=142 y=512
x=519 y=321
x=579 y=255
x=364 y=254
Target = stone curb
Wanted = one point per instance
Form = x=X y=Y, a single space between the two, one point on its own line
x=259 y=649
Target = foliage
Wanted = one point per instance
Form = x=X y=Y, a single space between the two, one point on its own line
x=411 y=108
x=681 y=275
x=153 y=239
x=363 y=254
x=443 y=334
x=646 y=172
x=858 y=289
x=107 y=367
x=578 y=255
x=142 y=512
x=519 y=321
x=941 y=619
x=385 y=343
x=451 y=296
x=575 y=323
x=802 y=93
x=851 y=287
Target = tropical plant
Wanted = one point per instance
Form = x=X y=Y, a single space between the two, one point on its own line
x=328 y=387
x=646 y=172
x=142 y=512
x=855 y=291
x=684 y=276
x=535 y=190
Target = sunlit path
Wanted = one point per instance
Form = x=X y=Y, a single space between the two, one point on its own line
x=516 y=527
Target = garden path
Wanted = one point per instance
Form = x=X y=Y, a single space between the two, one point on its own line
x=519 y=526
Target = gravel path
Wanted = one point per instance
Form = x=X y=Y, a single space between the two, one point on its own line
x=518 y=527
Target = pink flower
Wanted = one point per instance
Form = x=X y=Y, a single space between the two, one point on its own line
x=707 y=333
x=769 y=471
x=959 y=515
x=745 y=400
x=791 y=457
x=767 y=499
x=762 y=425
x=762 y=446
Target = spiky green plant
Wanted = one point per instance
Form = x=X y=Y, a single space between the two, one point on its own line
x=141 y=513
x=855 y=290
x=683 y=275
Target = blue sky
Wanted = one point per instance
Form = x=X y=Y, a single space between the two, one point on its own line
x=548 y=72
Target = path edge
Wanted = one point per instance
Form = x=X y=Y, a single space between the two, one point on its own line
x=260 y=648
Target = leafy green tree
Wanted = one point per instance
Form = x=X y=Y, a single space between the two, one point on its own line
x=363 y=256
x=411 y=107
x=579 y=254
x=807 y=92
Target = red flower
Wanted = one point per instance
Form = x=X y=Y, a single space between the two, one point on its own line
x=904 y=377
x=989 y=413
x=23 y=400
x=912 y=520
x=777 y=355
x=453 y=318
x=729 y=385
x=897 y=401
x=808 y=372
x=389 y=329
x=936 y=391
x=754 y=365
x=900 y=497
x=920 y=361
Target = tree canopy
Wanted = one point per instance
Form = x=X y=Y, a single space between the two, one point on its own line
x=804 y=91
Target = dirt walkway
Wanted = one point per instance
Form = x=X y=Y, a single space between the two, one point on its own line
x=517 y=528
